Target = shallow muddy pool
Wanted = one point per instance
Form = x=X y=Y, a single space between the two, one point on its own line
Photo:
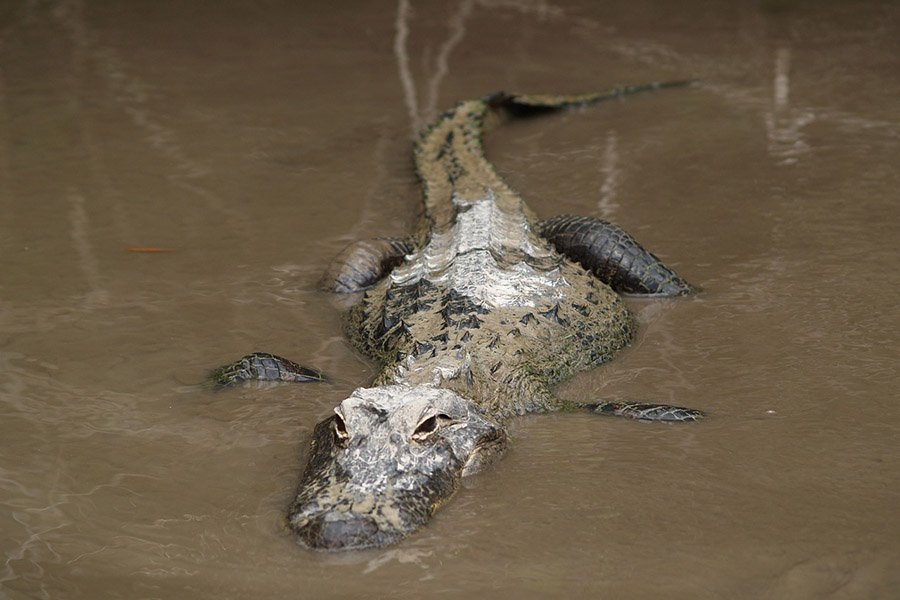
x=248 y=142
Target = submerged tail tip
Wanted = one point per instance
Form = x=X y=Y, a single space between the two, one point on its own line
x=681 y=82
x=529 y=104
x=497 y=99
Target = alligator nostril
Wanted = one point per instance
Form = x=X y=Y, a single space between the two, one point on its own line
x=352 y=531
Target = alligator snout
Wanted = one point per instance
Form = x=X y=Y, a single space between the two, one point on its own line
x=342 y=531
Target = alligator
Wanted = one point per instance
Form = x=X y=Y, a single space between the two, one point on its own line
x=473 y=318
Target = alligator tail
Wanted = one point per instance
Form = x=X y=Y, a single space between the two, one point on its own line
x=449 y=155
x=526 y=105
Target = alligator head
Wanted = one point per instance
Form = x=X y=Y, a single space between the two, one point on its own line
x=386 y=460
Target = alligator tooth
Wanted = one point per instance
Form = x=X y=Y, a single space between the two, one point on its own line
x=525 y=320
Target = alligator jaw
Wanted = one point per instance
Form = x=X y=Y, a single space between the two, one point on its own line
x=387 y=459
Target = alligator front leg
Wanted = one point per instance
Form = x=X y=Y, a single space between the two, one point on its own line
x=362 y=264
x=645 y=412
x=613 y=255
x=263 y=366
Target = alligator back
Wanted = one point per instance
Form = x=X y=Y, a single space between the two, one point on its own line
x=484 y=305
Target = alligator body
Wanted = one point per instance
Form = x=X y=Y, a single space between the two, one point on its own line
x=472 y=320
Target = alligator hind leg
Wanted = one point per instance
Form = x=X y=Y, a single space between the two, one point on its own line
x=645 y=412
x=263 y=366
x=363 y=263
x=613 y=255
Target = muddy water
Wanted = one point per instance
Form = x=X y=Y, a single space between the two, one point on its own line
x=253 y=140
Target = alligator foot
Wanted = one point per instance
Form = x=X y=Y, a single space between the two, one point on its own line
x=646 y=412
x=263 y=366
x=613 y=255
x=362 y=264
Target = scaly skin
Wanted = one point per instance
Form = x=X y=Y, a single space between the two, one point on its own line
x=614 y=256
x=472 y=320
x=423 y=324
x=263 y=366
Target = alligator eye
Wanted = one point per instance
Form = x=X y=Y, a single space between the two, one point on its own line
x=340 y=428
x=429 y=426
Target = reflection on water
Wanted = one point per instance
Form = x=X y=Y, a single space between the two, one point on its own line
x=437 y=70
x=255 y=141
x=612 y=172
x=784 y=126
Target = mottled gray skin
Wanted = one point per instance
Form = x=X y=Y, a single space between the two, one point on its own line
x=472 y=320
x=383 y=463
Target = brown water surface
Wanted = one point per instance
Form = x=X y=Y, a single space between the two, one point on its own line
x=253 y=140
